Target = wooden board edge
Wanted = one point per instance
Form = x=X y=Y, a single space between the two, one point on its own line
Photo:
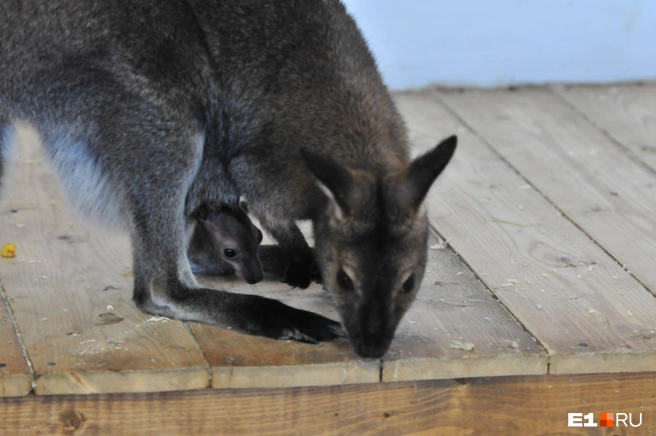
x=15 y=385
x=122 y=381
x=525 y=405
x=331 y=374
x=465 y=367
x=596 y=363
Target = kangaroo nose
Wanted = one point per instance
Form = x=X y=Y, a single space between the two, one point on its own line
x=372 y=350
x=250 y=270
x=253 y=276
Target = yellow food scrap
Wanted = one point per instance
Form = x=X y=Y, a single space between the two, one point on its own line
x=9 y=250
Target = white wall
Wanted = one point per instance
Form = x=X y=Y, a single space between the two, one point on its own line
x=502 y=42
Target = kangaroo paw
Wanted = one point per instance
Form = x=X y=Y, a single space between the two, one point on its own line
x=300 y=268
x=279 y=321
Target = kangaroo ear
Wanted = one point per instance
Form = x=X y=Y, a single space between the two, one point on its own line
x=203 y=212
x=335 y=180
x=424 y=170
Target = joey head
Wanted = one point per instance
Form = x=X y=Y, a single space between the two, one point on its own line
x=225 y=241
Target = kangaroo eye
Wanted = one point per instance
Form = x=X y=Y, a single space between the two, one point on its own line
x=409 y=284
x=229 y=252
x=344 y=281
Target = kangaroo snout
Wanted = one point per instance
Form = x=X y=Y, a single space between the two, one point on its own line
x=372 y=343
x=373 y=351
x=251 y=273
x=371 y=330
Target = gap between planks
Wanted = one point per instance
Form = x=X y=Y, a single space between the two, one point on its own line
x=16 y=372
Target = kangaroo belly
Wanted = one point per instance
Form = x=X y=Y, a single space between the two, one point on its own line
x=87 y=184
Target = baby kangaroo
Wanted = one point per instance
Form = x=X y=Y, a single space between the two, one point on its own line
x=224 y=242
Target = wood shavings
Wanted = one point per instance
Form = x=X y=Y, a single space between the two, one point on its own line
x=157 y=318
x=441 y=245
x=458 y=345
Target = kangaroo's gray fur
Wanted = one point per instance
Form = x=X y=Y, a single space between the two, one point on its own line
x=150 y=109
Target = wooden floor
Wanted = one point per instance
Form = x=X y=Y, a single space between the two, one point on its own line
x=541 y=257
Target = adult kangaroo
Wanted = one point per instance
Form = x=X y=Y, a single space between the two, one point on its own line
x=150 y=108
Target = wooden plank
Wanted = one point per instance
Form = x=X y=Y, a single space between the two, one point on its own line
x=593 y=181
x=15 y=378
x=70 y=290
x=453 y=308
x=535 y=261
x=626 y=112
x=530 y=405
